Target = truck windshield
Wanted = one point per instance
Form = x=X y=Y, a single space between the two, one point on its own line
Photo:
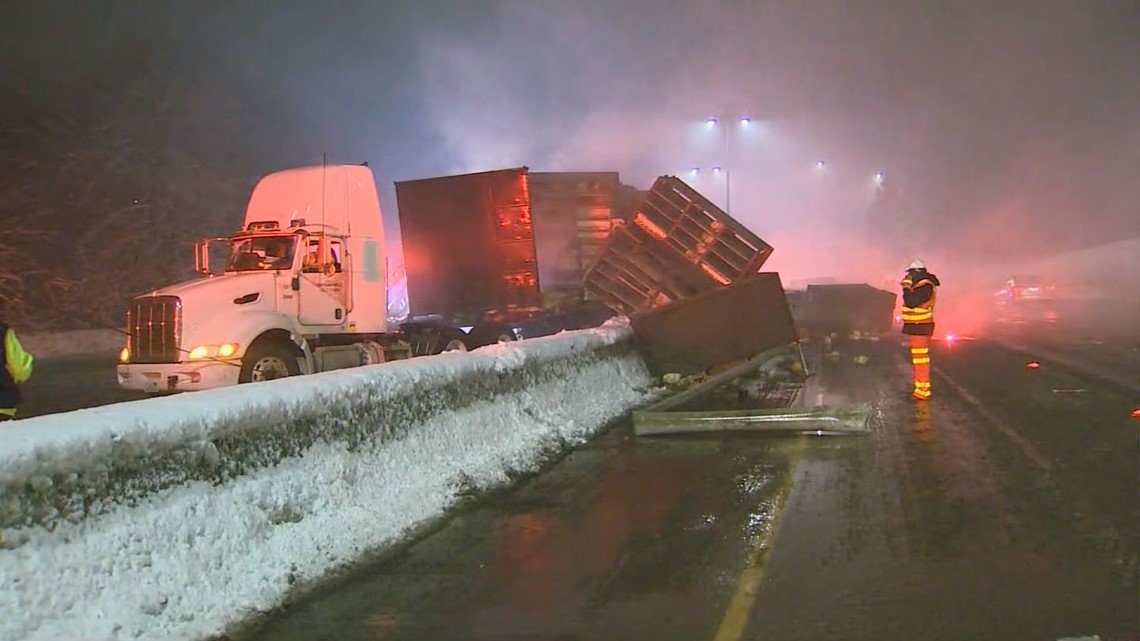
x=256 y=253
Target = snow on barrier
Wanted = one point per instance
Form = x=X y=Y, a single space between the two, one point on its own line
x=176 y=517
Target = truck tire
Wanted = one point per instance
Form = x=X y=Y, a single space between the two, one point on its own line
x=266 y=361
x=490 y=334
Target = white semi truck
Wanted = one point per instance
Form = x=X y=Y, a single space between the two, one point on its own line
x=304 y=287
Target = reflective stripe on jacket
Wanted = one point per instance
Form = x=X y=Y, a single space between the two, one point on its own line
x=918 y=306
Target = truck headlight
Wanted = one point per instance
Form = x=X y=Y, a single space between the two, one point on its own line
x=201 y=352
x=125 y=355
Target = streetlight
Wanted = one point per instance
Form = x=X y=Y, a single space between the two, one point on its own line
x=712 y=122
x=705 y=173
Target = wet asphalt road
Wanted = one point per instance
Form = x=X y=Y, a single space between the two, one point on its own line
x=1003 y=510
x=66 y=383
x=1006 y=508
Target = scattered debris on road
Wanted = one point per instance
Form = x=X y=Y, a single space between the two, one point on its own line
x=818 y=420
x=760 y=378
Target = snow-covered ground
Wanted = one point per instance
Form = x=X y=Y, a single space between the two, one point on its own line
x=282 y=482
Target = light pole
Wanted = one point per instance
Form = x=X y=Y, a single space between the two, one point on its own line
x=712 y=123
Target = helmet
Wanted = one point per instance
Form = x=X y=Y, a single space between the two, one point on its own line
x=916 y=264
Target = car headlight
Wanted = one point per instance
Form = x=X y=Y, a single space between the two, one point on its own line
x=201 y=352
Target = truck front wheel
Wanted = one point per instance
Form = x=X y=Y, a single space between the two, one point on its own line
x=267 y=361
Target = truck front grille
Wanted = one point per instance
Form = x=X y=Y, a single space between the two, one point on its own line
x=154 y=324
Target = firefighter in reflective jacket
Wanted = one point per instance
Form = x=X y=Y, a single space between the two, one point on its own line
x=16 y=368
x=919 y=290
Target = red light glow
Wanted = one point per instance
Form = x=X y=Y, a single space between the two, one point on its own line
x=953 y=338
x=1032 y=365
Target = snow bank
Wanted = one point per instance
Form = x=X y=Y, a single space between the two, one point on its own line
x=174 y=517
x=83 y=341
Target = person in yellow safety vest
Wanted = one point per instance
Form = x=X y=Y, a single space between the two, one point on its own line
x=17 y=368
x=919 y=291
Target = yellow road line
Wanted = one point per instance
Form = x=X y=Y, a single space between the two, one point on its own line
x=748 y=586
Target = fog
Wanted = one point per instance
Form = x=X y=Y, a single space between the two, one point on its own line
x=1004 y=134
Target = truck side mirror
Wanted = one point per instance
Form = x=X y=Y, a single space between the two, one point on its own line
x=202 y=257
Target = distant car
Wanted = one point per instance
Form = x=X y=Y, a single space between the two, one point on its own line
x=1026 y=299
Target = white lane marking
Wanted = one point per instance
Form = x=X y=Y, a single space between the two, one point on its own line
x=1025 y=446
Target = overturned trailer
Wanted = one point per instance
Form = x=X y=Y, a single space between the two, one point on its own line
x=677 y=244
x=688 y=276
x=672 y=268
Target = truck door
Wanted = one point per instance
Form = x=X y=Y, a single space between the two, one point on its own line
x=322 y=298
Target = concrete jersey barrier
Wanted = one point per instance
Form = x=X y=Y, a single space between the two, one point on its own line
x=71 y=466
x=255 y=491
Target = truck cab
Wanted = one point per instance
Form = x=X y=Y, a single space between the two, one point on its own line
x=301 y=290
x=314 y=258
